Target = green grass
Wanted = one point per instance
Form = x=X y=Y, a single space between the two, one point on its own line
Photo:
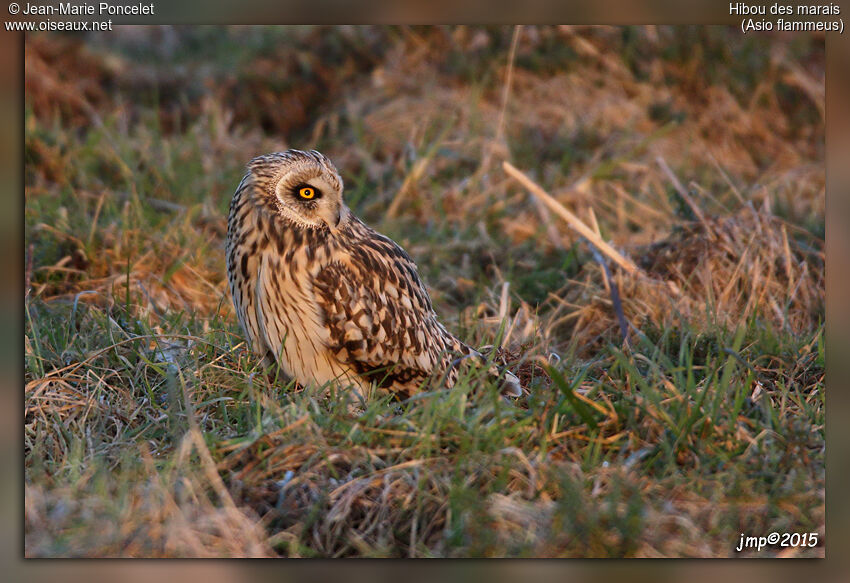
x=675 y=438
x=150 y=429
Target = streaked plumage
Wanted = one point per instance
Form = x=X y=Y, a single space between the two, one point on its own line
x=324 y=295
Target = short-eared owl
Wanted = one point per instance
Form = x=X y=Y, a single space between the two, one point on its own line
x=324 y=295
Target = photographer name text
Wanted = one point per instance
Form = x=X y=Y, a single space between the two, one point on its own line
x=100 y=9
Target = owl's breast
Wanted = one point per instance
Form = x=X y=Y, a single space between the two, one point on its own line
x=296 y=331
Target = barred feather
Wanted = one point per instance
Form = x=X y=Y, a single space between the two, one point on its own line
x=325 y=296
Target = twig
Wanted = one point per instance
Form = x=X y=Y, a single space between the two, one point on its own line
x=155 y=203
x=504 y=300
x=504 y=305
x=728 y=180
x=813 y=88
x=500 y=127
x=615 y=294
x=417 y=171
x=789 y=271
x=551 y=231
x=74 y=366
x=506 y=93
x=596 y=230
x=97 y=210
x=571 y=219
x=685 y=196
x=594 y=241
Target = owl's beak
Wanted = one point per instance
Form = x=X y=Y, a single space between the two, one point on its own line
x=337 y=218
x=333 y=223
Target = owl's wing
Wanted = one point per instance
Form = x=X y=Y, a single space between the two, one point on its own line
x=379 y=315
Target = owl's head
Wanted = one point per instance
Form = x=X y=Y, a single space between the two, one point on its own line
x=301 y=187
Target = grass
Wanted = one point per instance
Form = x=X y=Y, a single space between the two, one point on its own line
x=150 y=430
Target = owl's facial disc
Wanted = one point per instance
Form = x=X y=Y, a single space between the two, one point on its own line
x=310 y=200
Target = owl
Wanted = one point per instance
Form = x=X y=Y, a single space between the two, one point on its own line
x=324 y=296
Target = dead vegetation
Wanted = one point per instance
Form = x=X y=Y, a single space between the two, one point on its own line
x=695 y=153
x=715 y=273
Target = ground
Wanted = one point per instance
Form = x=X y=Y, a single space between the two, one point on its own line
x=668 y=410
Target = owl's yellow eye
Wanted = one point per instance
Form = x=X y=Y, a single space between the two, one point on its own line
x=306 y=192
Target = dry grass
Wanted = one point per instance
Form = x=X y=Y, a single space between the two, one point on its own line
x=695 y=152
x=718 y=273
